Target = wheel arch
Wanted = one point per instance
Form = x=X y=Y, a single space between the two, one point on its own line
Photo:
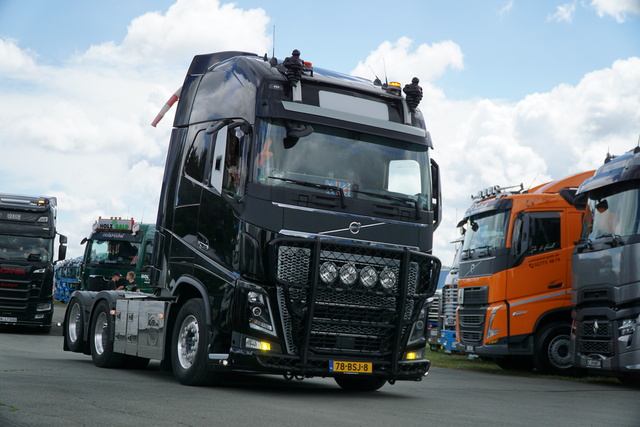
x=186 y=288
x=558 y=315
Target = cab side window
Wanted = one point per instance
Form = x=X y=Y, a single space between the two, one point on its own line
x=228 y=171
x=544 y=233
x=195 y=162
x=234 y=176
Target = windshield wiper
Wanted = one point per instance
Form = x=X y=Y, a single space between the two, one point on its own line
x=416 y=206
x=616 y=240
x=335 y=188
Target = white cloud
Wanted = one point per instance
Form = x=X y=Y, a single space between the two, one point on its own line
x=82 y=132
x=401 y=63
x=188 y=28
x=564 y=13
x=618 y=9
x=506 y=8
x=542 y=137
x=13 y=60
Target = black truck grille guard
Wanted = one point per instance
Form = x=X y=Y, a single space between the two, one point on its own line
x=352 y=321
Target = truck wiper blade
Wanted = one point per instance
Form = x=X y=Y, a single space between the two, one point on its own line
x=390 y=197
x=335 y=188
x=616 y=240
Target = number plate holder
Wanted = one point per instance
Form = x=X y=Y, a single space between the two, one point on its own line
x=9 y=319
x=350 y=367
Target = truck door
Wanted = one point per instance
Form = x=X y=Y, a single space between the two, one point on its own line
x=224 y=189
x=187 y=203
x=539 y=276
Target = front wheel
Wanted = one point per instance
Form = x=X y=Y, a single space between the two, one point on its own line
x=552 y=355
x=101 y=345
x=189 y=345
x=359 y=383
x=74 y=326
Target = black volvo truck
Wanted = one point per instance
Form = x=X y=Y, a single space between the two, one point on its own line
x=293 y=236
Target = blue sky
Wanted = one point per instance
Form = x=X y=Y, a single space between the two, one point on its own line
x=510 y=48
x=515 y=90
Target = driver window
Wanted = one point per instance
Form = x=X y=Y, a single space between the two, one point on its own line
x=196 y=158
x=228 y=170
x=545 y=233
x=233 y=178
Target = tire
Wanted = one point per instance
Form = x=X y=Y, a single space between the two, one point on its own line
x=101 y=346
x=74 y=326
x=552 y=354
x=358 y=383
x=434 y=347
x=189 y=346
x=514 y=363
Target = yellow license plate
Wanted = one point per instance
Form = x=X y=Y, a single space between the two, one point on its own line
x=350 y=367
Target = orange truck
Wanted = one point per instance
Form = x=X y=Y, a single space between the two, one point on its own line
x=514 y=283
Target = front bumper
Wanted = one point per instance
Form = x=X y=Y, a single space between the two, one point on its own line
x=239 y=360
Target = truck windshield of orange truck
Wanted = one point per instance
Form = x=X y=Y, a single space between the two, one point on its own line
x=485 y=231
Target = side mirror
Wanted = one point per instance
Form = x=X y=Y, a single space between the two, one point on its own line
x=436 y=194
x=62 y=252
x=62 y=249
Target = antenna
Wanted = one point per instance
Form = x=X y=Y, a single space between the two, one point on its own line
x=384 y=64
x=377 y=81
x=534 y=180
x=273 y=48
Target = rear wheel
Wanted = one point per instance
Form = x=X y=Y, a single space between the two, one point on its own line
x=552 y=354
x=189 y=345
x=101 y=345
x=73 y=326
x=359 y=383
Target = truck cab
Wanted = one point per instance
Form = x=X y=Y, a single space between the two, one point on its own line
x=27 y=238
x=605 y=334
x=514 y=280
x=116 y=244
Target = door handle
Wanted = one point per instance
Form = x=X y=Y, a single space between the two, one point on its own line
x=557 y=285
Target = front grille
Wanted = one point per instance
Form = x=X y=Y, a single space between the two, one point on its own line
x=596 y=329
x=349 y=319
x=600 y=347
x=15 y=296
x=449 y=305
x=471 y=320
x=470 y=336
x=476 y=296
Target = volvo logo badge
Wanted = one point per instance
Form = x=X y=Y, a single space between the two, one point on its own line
x=354 y=227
